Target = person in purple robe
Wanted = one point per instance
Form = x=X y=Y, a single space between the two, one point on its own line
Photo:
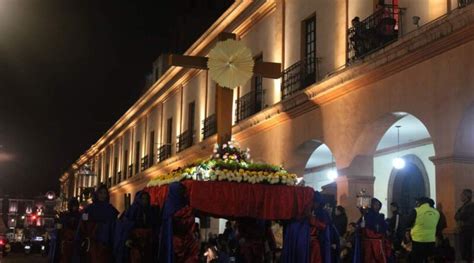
x=329 y=237
x=97 y=228
x=137 y=232
x=372 y=244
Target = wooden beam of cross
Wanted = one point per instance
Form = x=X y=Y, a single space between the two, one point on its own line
x=224 y=96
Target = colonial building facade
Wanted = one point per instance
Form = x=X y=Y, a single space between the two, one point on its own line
x=363 y=82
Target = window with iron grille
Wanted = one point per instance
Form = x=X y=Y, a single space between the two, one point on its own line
x=99 y=174
x=114 y=174
x=374 y=32
x=137 y=156
x=107 y=171
x=169 y=131
x=130 y=170
x=125 y=163
x=209 y=126
x=151 y=149
x=191 y=111
x=164 y=152
x=310 y=49
x=304 y=72
x=186 y=139
x=144 y=163
x=119 y=177
x=251 y=102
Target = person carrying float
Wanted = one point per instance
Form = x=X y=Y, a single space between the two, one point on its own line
x=178 y=244
x=64 y=247
x=137 y=232
x=96 y=230
x=328 y=236
x=372 y=244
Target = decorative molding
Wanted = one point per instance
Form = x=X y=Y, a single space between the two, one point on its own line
x=450 y=159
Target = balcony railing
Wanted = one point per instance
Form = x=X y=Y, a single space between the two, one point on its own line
x=299 y=76
x=463 y=3
x=373 y=33
x=164 y=152
x=118 y=178
x=151 y=159
x=144 y=164
x=130 y=170
x=185 y=140
x=210 y=126
x=249 y=104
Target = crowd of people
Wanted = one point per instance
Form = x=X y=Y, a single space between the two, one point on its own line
x=98 y=233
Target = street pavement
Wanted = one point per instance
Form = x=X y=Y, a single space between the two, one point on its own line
x=22 y=258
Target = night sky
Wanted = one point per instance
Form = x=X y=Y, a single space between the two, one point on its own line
x=70 y=69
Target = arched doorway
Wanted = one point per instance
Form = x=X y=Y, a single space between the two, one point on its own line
x=321 y=173
x=407 y=139
x=407 y=184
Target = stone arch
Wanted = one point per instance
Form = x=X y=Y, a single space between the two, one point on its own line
x=371 y=134
x=413 y=160
x=464 y=143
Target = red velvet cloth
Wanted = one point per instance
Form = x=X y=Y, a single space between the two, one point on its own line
x=230 y=199
x=157 y=194
x=316 y=226
x=185 y=244
x=375 y=247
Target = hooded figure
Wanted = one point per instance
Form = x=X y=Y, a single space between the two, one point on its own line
x=137 y=232
x=64 y=247
x=177 y=240
x=372 y=245
x=97 y=228
x=328 y=235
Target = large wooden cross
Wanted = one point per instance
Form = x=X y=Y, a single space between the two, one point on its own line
x=224 y=96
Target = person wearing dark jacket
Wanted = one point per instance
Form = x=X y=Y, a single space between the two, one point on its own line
x=340 y=220
x=465 y=221
x=395 y=226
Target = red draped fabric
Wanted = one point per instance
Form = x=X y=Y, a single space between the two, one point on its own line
x=230 y=199
x=185 y=244
x=316 y=227
x=376 y=248
x=157 y=194
x=95 y=251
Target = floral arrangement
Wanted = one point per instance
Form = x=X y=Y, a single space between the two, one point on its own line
x=228 y=163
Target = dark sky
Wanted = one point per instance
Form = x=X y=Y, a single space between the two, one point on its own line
x=70 y=68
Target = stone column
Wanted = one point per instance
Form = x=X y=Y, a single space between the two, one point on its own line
x=351 y=180
x=453 y=174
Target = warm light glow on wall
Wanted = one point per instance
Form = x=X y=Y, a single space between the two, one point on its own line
x=437 y=8
x=276 y=92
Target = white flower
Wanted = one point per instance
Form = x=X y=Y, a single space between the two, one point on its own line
x=224 y=145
